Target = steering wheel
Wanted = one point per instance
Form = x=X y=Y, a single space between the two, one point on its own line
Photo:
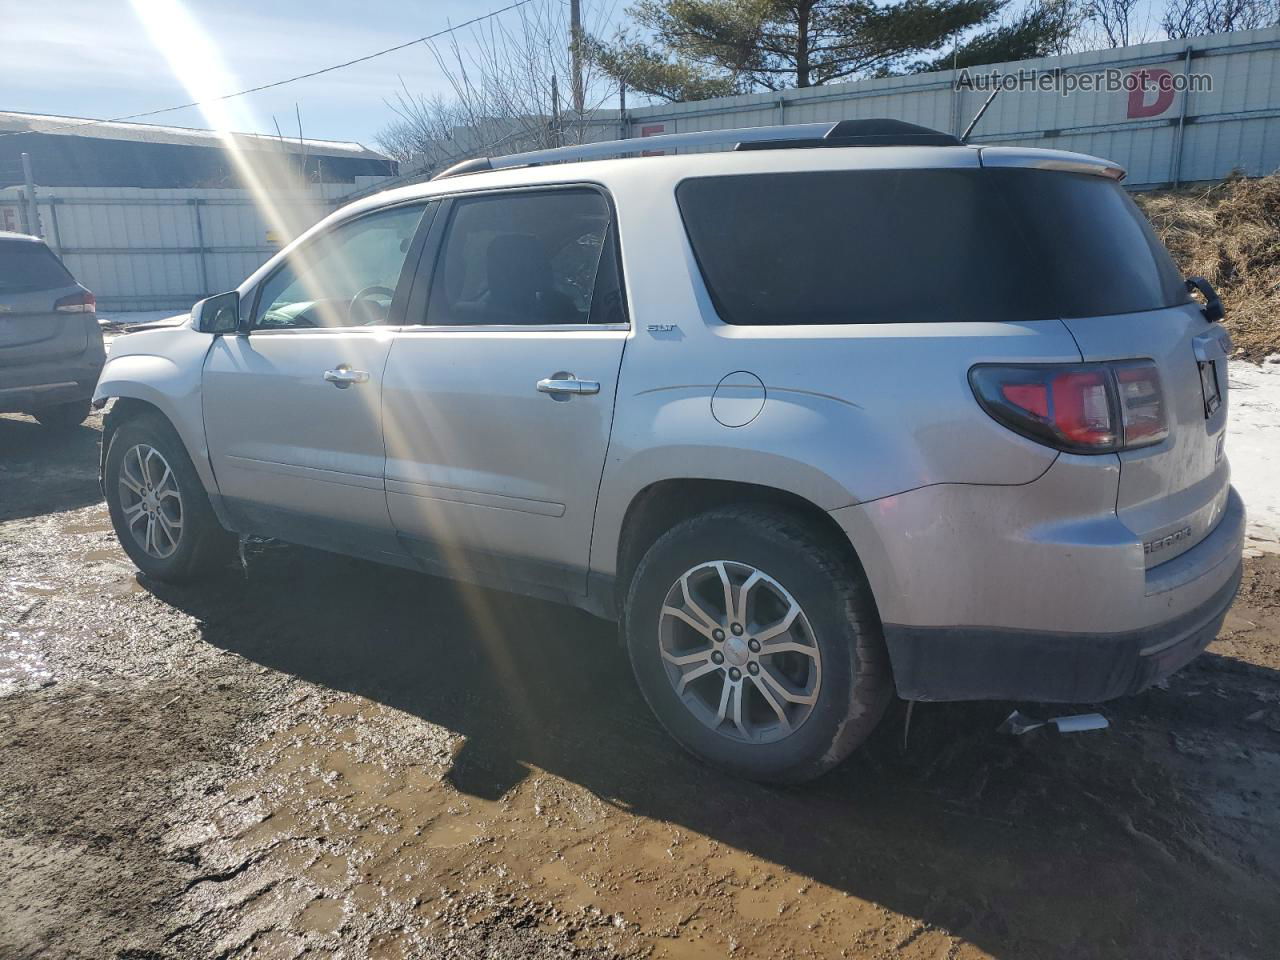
x=361 y=300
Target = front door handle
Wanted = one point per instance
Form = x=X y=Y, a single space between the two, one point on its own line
x=562 y=386
x=344 y=376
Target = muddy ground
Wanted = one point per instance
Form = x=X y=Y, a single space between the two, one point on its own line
x=329 y=758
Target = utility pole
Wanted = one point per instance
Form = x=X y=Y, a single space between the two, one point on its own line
x=624 y=128
x=575 y=53
x=555 y=111
x=33 y=211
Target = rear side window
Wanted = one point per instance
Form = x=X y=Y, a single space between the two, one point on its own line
x=911 y=246
x=27 y=266
x=536 y=258
x=1100 y=253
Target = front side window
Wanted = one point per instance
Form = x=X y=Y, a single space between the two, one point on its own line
x=343 y=278
x=534 y=258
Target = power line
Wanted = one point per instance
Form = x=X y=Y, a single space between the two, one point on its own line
x=278 y=83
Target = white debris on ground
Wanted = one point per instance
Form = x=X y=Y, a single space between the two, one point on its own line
x=116 y=322
x=1253 y=445
x=121 y=318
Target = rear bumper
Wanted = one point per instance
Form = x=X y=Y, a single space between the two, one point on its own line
x=1022 y=593
x=968 y=663
x=46 y=385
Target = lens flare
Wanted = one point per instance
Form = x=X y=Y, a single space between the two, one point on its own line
x=197 y=63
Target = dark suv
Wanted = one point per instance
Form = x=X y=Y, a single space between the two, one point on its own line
x=50 y=344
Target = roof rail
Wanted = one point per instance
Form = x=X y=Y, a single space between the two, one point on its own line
x=842 y=133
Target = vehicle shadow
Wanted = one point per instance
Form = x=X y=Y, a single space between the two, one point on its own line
x=1061 y=846
x=46 y=471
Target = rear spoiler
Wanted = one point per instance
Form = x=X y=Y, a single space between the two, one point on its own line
x=1037 y=159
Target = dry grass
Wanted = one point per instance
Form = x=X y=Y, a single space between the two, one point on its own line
x=1229 y=233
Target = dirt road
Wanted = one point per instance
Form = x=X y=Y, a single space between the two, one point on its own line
x=327 y=757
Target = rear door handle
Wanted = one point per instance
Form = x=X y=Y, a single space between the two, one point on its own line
x=562 y=386
x=344 y=376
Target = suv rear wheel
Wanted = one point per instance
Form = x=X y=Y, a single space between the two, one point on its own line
x=755 y=641
x=64 y=416
x=158 y=505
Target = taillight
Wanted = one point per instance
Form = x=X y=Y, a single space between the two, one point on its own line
x=1142 y=410
x=1076 y=407
x=83 y=302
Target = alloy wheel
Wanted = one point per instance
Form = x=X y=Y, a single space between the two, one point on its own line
x=739 y=652
x=151 y=501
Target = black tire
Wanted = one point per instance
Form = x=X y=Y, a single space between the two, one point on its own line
x=826 y=581
x=202 y=545
x=63 y=416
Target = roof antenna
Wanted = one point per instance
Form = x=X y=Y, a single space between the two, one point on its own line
x=964 y=137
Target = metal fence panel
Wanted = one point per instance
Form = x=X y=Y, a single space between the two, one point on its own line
x=1161 y=140
x=144 y=249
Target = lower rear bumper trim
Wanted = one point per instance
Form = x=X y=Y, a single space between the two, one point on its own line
x=39 y=388
x=26 y=399
x=977 y=663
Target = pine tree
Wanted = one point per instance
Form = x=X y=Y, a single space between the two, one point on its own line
x=710 y=48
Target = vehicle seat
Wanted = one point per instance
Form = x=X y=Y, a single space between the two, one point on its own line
x=520 y=285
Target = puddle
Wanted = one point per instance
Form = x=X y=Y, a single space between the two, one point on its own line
x=450 y=830
x=22 y=664
x=274 y=827
x=762 y=906
x=321 y=916
x=102 y=525
x=111 y=555
x=32 y=589
x=575 y=890
x=693 y=950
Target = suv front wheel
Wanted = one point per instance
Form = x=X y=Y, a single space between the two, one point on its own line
x=158 y=505
x=755 y=640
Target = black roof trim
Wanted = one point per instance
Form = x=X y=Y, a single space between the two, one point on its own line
x=879 y=132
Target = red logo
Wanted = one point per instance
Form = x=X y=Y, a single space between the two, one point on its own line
x=652 y=130
x=1147 y=82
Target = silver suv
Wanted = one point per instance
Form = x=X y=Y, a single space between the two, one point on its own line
x=889 y=414
x=50 y=344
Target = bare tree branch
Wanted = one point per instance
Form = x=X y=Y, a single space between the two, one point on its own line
x=511 y=90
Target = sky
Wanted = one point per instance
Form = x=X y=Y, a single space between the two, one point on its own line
x=96 y=58
x=110 y=58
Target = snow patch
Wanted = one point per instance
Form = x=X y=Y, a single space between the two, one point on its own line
x=1253 y=445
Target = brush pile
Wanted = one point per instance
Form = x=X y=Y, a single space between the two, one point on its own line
x=1230 y=234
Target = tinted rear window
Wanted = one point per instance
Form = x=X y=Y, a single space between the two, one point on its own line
x=26 y=266
x=903 y=246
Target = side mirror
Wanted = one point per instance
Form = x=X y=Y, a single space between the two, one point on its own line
x=217 y=315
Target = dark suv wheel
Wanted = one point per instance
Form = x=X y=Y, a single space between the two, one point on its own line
x=755 y=640
x=158 y=505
